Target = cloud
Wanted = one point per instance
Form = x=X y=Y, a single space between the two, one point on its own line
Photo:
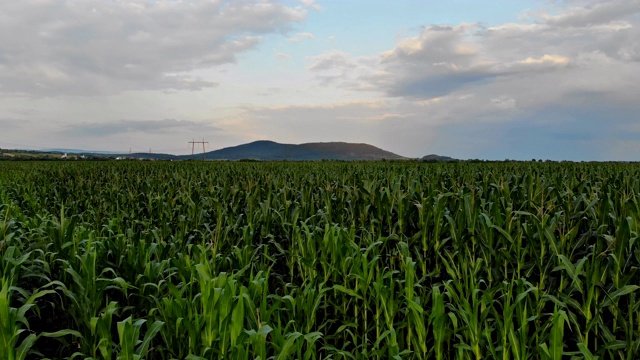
x=594 y=14
x=269 y=91
x=311 y=3
x=437 y=61
x=547 y=59
x=333 y=60
x=138 y=126
x=445 y=59
x=301 y=36
x=374 y=104
x=337 y=68
x=281 y=55
x=379 y=117
x=95 y=47
x=583 y=48
x=12 y=122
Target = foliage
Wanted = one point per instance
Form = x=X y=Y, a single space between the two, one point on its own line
x=327 y=260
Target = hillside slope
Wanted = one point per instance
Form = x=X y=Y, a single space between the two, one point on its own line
x=270 y=150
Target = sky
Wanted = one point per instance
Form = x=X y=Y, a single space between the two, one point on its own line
x=487 y=79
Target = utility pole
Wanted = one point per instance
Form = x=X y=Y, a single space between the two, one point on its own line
x=193 y=148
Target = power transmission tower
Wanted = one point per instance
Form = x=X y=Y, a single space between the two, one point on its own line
x=193 y=148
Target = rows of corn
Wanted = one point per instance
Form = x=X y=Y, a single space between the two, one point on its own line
x=133 y=260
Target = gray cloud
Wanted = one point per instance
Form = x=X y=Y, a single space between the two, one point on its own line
x=10 y=123
x=104 y=47
x=337 y=68
x=595 y=13
x=332 y=60
x=434 y=86
x=589 y=131
x=584 y=48
x=442 y=60
x=138 y=126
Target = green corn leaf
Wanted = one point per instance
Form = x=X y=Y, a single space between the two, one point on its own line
x=625 y=290
x=23 y=350
x=556 y=347
x=152 y=331
x=62 y=333
x=288 y=347
x=586 y=353
x=237 y=321
x=347 y=291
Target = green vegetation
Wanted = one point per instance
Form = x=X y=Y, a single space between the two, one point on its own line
x=28 y=155
x=195 y=260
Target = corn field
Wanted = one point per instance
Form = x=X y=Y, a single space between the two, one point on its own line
x=325 y=260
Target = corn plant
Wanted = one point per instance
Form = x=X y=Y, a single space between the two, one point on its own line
x=328 y=260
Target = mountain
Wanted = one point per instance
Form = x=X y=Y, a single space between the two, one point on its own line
x=269 y=150
x=258 y=150
x=434 y=158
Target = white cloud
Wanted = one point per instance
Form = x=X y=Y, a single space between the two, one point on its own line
x=581 y=49
x=593 y=14
x=301 y=36
x=546 y=58
x=50 y=48
x=281 y=55
x=311 y=3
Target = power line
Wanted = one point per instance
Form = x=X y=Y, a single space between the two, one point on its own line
x=193 y=148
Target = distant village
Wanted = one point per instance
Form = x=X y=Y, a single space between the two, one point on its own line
x=25 y=155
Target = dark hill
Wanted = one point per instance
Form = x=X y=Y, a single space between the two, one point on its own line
x=436 y=158
x=269 y=150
